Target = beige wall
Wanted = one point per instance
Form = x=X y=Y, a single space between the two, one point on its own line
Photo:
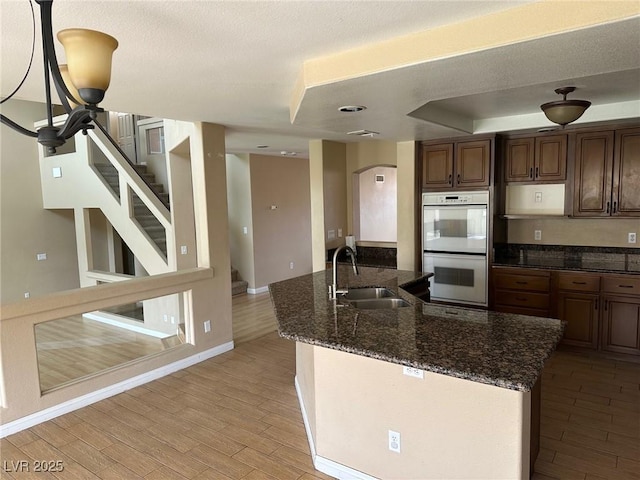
x=336 y=187
x=449 y=427
x=316 y=188
x=240 y=217
x=406 y=206
x=575 y=231
x=26 y=229
x=375 y=205
x=366 y=154
x=281 y=235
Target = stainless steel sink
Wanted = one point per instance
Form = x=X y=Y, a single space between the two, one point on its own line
x=368 y=293
x=379 y=303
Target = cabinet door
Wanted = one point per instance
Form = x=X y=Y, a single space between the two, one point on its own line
x=626 y=174
x=551 y=158
x=621 y=325
x=593 y=171
x=472 y=164
x=580 y=311
x=437 y=166
x=519 y=160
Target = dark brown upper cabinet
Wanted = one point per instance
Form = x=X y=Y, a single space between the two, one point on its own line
x=456 y=165
x=536 y=159
x=607 y=174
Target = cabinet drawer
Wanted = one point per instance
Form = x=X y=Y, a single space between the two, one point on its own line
x=522 y=282
x=523 y=299
x=578 y=283
x=627 y=285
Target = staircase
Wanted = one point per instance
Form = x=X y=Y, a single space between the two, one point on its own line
x=238 y=285
x=141 y=213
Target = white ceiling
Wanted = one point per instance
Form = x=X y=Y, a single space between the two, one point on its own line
x=236 y=63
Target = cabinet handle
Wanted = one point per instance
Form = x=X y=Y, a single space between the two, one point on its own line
x=615 y=206
x=579 y=283
x=458 y=179
x=608 y=206
x=596 y=304
x=520 y=282
x=537 y=172
x=531 y=172
x=521 y=299
x=625 y=286
x=450 y=176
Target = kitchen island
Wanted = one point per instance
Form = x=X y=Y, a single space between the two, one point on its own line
x=465 y=408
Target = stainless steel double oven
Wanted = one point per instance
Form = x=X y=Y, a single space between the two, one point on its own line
x=454 y=242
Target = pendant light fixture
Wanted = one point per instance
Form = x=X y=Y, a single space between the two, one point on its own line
x=565 y=111
x=81 y=84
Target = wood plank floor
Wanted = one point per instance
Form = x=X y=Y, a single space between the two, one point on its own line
x=236 y=416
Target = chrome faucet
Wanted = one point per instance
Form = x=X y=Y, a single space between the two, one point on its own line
x=333 y=288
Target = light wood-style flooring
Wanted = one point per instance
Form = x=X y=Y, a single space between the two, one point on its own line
x=237 y=416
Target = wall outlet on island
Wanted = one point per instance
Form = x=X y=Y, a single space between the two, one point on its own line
x=632 y=237
x=394 y=441
x=207 y=326
x=537 y=234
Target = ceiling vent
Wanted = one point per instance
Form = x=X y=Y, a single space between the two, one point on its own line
x=364 y=133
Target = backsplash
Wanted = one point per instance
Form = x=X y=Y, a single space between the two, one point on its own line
x=369 y=256
x=575 y=231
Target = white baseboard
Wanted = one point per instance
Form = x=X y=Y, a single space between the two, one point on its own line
x=255 y=291
x=84 y=400
x=324 y=465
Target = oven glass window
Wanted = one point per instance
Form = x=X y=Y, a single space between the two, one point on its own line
x=456 y=229
x=462 y=277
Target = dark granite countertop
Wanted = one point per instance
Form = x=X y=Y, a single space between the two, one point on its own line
x=498 y=349
x=558 y=257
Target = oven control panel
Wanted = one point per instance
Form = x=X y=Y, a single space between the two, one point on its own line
x=457 y=199
x=460 y=198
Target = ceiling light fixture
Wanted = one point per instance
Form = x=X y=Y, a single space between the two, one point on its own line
x=81 y=84
x=565 y=111
x=352 y=108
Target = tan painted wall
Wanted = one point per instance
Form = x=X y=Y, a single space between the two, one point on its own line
x=316 y=188
x=375 y=212
x=240 y=216
x=281 y=235
x=449 y=428
x=336 y=187
x=406 y=206
x=575 y=231
x=25 y=227
x=366 y=154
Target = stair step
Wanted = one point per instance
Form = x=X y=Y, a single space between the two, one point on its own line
x=238 y=287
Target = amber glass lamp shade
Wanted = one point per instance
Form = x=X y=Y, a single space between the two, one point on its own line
x=64 y=71
x=88 y=61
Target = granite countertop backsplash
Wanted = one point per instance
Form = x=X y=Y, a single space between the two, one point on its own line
x=498 y=349
x=592 y=259
x=383 y=257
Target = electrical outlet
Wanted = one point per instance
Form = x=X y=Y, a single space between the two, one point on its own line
x=27 y=294
x=339 y=233
x=41 y=256
x=245 y=230
x=173 y=320
x=394 y=441
x=207 y=326
x=165 y=317
x=413 y=372
x=537 y=235
x=331 y=234
x=183 y=249
x=538 y=197
x=632 y=237
x=290 y=265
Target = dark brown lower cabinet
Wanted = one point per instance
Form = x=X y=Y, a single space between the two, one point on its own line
x=580 y=311
x=621 y=324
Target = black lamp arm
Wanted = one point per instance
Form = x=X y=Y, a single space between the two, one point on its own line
x=10 y=123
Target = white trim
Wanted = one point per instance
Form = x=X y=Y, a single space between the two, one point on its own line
x=324 y=465
x=84 y=400
x=120 y=322
x=255 y=291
